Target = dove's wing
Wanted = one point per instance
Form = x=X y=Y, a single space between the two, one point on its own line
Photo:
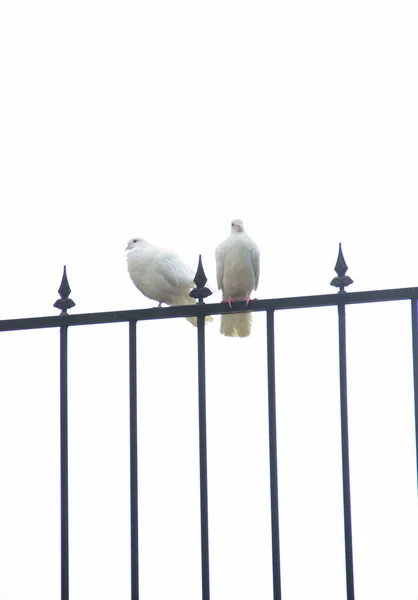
x=174 y=270
x=219 y=256
x=255 y=257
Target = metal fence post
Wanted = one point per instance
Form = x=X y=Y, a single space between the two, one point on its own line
x=64 y=303
x=64 y=461
x=341 y=281
x=133 y=429
x=200 y=292
x=414 y=319
x=345 y=453
x=204 y=517
x=274 y=492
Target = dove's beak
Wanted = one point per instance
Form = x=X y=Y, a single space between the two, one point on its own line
x=128 y=247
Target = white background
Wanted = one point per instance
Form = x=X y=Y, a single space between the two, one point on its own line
x=165 y=120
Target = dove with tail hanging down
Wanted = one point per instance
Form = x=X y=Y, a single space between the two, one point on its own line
x=160 y=274
x=237 y=271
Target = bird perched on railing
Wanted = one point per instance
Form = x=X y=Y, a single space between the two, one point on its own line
x=160 y=274
x=237 y=271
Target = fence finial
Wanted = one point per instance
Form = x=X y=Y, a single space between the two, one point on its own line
x=200 y=291
x=64 y=303
x=341 y=269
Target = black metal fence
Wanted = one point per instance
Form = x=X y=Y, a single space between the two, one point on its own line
x=339 y=300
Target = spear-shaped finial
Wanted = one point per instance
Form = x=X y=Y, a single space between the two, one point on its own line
x=200 y=291
x=64 y=303
x=342 y=280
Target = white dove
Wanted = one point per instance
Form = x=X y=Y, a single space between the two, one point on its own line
x=237 y=271
x=160 y=274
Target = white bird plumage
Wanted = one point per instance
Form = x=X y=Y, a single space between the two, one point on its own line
x=238 y=272
x=160 y=274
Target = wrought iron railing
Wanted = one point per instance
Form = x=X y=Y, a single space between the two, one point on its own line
x=201 y=310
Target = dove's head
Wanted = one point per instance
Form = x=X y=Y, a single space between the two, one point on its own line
x=237 y=226
x=134 y=243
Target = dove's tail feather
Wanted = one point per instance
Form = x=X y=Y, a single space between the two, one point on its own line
x=193 y=320
x=236 y=325
x=189 y=300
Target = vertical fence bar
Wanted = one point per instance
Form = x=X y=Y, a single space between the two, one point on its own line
x=133 y=427
x=274 y=492
x=64 y=461
x=204 y=525
x=414 y=308
x=345 y=453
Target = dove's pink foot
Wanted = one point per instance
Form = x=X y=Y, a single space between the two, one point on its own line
x=246 y=300
x=228 y=301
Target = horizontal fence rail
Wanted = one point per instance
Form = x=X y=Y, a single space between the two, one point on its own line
x=171 y=312
x=339 y=300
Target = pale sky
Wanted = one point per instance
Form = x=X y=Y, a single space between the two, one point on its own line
x=166 y=120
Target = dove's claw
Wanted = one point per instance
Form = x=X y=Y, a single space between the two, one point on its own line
x=246 y=300
x=228 y=301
